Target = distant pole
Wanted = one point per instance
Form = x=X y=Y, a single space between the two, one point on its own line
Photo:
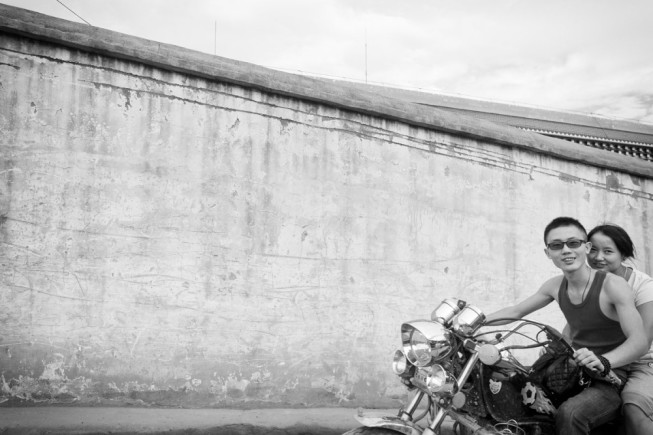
x=215 y=37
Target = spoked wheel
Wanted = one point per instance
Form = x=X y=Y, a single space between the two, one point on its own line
x=371 y=431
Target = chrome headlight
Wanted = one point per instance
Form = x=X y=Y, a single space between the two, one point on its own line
x=468 y=321
x=425 y=342
x=401 y=366
x=440 y=382
x=447 y=310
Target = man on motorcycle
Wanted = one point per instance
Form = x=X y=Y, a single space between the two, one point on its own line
x=605 y=326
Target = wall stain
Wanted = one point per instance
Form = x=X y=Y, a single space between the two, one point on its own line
x=567 y=178
x=612 y=182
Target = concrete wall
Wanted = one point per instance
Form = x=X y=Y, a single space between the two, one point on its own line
x=172 y=239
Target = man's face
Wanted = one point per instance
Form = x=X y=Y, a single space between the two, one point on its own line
x=568 y=259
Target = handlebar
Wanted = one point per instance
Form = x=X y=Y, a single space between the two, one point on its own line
x=611 y=377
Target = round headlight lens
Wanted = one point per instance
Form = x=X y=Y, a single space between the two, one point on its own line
x=440 y=382
x=425 y=342
x=421 y=348
x=400 y=364
x=436 y=381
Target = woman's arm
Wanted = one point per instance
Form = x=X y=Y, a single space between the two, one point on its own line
x=646 y=311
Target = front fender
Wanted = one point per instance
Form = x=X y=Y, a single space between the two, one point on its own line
x=393 y=423
x=396 y=424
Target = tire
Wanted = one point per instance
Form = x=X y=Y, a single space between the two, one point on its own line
x=371 y=431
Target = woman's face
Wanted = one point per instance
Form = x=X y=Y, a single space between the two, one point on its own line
x=604 y=254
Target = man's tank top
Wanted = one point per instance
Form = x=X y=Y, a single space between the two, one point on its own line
x=588 y=326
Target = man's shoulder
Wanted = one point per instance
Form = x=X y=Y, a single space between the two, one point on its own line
x=612 y=280
x=616 y=288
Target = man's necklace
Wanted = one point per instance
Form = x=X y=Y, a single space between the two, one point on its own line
x=582 y=297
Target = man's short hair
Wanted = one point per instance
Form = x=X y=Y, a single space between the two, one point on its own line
x=563 y=221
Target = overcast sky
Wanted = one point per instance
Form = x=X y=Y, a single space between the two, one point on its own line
x=591 y=56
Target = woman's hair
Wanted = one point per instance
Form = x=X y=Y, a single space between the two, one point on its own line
x=619 y=236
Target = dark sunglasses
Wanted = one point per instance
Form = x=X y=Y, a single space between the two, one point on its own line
x=571 y=244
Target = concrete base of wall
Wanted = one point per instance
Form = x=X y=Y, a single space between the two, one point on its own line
x=119 y=420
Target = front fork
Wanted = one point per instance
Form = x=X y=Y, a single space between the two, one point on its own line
x=442 y=411
x=407 y=413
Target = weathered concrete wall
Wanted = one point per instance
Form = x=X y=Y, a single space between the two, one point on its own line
x=174 y=240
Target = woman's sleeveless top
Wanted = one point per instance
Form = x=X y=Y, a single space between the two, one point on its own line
x=588 y=326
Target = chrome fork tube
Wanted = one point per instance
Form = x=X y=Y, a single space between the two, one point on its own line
x=442 y=412
x=473 y=359
x=435 y=424
x=407 y=414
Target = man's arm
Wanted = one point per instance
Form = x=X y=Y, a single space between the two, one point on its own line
x=534 y=302
x=620 y=296
x=636 y=344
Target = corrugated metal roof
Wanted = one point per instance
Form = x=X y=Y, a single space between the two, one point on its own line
x=585 y=126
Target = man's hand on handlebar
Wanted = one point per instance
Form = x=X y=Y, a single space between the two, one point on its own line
x=586 y=358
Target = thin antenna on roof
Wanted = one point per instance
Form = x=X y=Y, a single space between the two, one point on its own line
x=73 y=12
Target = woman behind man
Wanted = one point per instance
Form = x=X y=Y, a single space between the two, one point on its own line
x=611 y=246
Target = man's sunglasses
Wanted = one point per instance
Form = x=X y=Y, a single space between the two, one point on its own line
x=571 y=243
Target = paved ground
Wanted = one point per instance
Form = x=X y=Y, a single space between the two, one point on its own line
x=120 y=420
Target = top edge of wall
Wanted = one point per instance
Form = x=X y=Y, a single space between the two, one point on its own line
x=334 y=93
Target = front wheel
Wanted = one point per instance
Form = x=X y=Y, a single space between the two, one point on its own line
x=371 y=431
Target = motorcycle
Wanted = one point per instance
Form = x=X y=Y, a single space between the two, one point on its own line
x=478 y=381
